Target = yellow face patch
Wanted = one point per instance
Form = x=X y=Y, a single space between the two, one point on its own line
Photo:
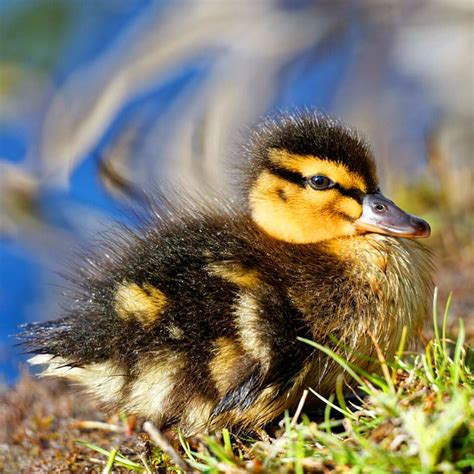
x=142 y=303
x=312 y=166
x=300 y=214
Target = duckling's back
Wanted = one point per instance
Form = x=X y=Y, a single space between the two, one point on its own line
x=187 y=324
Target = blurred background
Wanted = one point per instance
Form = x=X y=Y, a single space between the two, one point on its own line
x=99 y=98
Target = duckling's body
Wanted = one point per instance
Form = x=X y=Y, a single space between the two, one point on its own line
x=194 y=321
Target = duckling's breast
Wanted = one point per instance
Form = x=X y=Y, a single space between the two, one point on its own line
x=363 y=289
x=395 y=276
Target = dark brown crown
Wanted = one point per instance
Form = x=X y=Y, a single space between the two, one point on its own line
x=310 y=133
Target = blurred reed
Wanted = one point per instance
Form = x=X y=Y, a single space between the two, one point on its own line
x=406 y=81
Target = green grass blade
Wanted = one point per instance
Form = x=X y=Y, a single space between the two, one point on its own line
x=340 y=360
x=445 y=320
x=327 y=413
x=457 y=369
x=331 y=404
x=110 y=461
x=227 y=441
x=435 y=315
x=118 y=459
x=221 y=452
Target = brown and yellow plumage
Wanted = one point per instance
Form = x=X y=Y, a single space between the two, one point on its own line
x=194 y=320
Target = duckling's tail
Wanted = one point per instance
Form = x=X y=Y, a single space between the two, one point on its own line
x=52 y=345
x=45 y=337
x=64 y=340
x=45 y=341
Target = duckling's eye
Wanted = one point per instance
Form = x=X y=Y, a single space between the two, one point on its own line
x=321 y=182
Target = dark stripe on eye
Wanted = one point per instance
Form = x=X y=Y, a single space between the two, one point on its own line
x=353 y=193
x=300 y=180
x=291 y=176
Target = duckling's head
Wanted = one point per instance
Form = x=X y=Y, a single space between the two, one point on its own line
x=311 y=179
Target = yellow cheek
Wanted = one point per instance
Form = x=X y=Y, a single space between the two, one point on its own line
x=348 y=207
x=329 y=204
x=319 y=200
x=324 y=215
x=304 y=216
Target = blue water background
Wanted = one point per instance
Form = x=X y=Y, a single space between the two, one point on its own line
x=23 y=281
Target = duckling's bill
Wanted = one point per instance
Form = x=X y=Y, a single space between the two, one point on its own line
x=382 y=216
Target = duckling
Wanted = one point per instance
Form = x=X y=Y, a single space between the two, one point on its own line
x=194 y=321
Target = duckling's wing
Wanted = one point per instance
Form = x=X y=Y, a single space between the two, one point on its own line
x=267 y=329
x=180 y=326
